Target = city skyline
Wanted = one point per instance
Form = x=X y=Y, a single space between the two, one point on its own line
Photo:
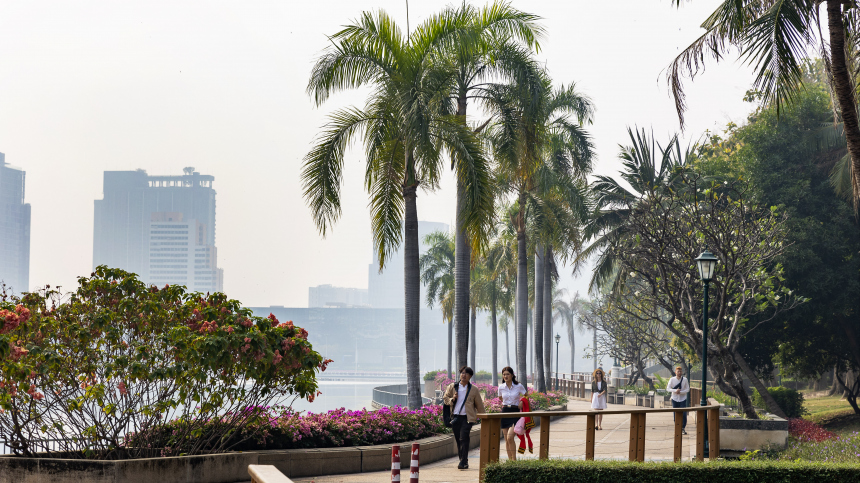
x=15 y=218
x=115 y=87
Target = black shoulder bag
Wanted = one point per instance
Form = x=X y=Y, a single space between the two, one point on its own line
x=449 y=419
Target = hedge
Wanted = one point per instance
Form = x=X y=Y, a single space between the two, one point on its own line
x=569 y=471
x=790 y=400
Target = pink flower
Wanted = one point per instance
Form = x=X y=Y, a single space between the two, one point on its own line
x=122 y=388
x=277 y=357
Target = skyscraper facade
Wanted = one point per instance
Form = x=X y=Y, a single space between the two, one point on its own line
x=14 y=229
x=386 y=288
x=159 y=227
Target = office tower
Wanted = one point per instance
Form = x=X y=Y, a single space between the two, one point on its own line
x=386 y=290
x=159 y=227
x=14 y=229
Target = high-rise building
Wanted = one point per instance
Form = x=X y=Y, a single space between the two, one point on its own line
x=159 y=227
x=386 y=289
x=14 y=229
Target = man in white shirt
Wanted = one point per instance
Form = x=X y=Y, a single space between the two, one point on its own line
x=679 y=386
x=465 y=405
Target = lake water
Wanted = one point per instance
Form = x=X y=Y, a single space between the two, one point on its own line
x=342 y=394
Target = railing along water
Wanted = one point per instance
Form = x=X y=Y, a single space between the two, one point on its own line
x=491 y=431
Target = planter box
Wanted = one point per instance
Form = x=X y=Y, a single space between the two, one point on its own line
x=738 y=434
x=228 y=467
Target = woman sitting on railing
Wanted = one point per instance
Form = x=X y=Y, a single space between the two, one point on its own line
x=598 y=395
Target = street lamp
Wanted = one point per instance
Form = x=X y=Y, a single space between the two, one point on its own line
x=707 y=264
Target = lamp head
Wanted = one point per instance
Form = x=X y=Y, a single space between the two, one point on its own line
x=557 y=338
x=707 y=264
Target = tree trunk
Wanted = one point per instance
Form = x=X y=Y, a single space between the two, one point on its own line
x=412 y=301
x=547 y=315
x=495 y=335
x=522 y=303
x=472 y=345
x=507 y=346
x=852 y=389
x=462 y=263
x=843 y=89
x=772 y=406
x=450 y=346
x=594 y=348
x=836 y=387
x=537 y=323
x=572 y=339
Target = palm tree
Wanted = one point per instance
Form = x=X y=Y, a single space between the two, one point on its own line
x=491 y=44
x=569 y=313
x=775 y=37
x=539 y=131
x=648 y=168
x=490 y=290
x=406 y=126
x=437 y=275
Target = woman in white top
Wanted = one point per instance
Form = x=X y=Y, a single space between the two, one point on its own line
x=510 y=393
x=598 y=394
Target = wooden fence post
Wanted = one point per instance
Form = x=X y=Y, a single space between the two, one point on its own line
x=589 y=437
x=700 y=435
x=543 y=453
x=713 y=434
x=679 y=438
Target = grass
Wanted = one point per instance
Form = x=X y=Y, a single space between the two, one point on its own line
x=833 y=414
x=846 y=449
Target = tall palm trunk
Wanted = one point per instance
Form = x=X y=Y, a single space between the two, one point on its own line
x=594 y=348
x=473 y=346
x=495 y=362
x=547 y=314
x=450 y=346
x=412 y=287
x=507 y=346
x=462 y=263
x=843 y=89
x=572 y=339
x=537 y=323
x=522 y=303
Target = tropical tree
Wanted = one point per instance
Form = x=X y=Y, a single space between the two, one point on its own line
x=407 y=126
x=491 y=291
x=775 y=37
x=648 y=168
x=489 y=45
x=539 y=135
x=569 y=313
x=437 y=275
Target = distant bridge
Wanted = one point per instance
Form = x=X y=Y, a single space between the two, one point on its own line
x=335 y=375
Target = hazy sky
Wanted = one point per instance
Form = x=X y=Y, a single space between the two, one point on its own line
x=89 y=86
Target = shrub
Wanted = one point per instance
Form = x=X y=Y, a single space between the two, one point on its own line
x=803 y=430
x=100 y=368
x=569 y=471
x=789 y=400
x=431 y=375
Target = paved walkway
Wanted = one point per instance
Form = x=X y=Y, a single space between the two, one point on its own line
x=567 y=441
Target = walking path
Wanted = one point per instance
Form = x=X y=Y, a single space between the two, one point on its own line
x=566 y=441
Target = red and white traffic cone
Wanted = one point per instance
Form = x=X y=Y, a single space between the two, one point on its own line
x=413 y=466
x=395 y=464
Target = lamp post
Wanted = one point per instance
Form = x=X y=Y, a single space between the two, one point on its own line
x=557 y=340
x=707 y=264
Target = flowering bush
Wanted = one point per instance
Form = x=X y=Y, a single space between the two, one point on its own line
x=804 y=430
x=118 y=356
x=279 y=429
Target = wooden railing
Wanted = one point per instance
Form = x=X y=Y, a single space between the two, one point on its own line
x=491 y=431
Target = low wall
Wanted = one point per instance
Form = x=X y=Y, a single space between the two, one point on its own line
x=738 y=434
x=227 y=467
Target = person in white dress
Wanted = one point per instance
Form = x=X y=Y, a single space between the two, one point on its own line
x=510 y=393
x=598 y=395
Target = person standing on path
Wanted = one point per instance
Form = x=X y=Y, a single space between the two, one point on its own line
x=465 y=406
x=679 y=386
x=598 y=395
x=510 y=394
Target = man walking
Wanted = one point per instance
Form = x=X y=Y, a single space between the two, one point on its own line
x=465 y=404
x=679 y=386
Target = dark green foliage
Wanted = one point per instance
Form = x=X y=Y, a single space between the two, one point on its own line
x=567 y=471
x=790 y=400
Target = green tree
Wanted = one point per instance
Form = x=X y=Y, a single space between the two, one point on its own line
x=822 y=240
x=437 y=275
x=490 y=45
x=775 y=37
x=569 y=312
x=407 y=124
x=539 y=135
